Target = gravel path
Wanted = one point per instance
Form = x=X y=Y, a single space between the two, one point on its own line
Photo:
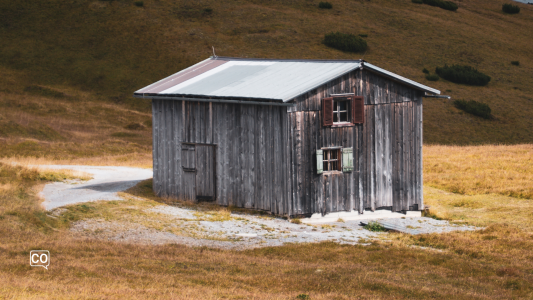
x=195 y=227
x=106 y=183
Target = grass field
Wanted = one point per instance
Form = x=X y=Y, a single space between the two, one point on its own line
x=92 y=55
x=494 y=263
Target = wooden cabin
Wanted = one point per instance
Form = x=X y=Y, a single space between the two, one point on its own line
x=291 y=137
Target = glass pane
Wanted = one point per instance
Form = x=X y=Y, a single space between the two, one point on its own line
x=335 y=117
x=333 y=154
x=325 y=167
x=342 y=105
x=344 y=117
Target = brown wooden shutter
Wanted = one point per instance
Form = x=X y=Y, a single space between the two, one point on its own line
x=358 y=110
x=327 y=111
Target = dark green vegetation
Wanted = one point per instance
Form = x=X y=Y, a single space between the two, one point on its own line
x=139 y=3
x=463 y=74
x=345 y=42
x=447 y=5
x=432 y=77
x=425 y=71
x=515 y=63
x=473 y=107
x=325 y=5
x=510 y=9
x=91 y=55
x=374 y=226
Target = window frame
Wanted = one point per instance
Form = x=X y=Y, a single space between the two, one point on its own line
x=327 y=162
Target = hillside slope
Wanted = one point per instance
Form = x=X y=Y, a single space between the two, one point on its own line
x=102 y=51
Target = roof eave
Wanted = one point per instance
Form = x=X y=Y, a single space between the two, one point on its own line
x=399 y=78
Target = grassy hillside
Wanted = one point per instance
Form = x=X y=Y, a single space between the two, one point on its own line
x=96 y=53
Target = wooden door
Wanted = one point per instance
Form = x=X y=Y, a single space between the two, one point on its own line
x=188 y=164
x=205 y=172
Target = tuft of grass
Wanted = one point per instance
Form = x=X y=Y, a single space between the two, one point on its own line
x=325 y=5
x=515 y=63
x=135 y=126
x=139 y=3
x=296 y=221
x=363 y=35
x=345 y=42
x=303 y=297
x=374 y=226
x=510 y=8
x=463 y=74
x=475 y=108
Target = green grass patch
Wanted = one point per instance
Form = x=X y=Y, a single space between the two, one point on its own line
x=463 y=74
x=374 y=226
x=345 y=42
x=325 y=5
x=510 y=8
x=432 y=77
x=474 y=107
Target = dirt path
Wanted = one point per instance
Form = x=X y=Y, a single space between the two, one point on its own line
x=106 y=182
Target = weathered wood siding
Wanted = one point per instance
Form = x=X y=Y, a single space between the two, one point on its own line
x=252 y=168
x=266 y=155
x=387 y=148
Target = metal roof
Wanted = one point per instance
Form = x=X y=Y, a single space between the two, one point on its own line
x=272 y=79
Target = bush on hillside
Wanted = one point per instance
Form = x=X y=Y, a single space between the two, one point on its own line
x=363 y=35
x=473 y=107
x=515 y=63
x=463 y=74
x=417 y=1
x=432 y=77
x=139 y=3
x=448 y=5
x=510 y=9
x=325 y=5
x=345 y=42
x=425 y=71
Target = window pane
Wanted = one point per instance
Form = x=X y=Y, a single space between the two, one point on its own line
x=325 y=166
x=335 y=117
x=342 y=105
x=344 y=117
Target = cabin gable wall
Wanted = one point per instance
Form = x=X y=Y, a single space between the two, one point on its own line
x=387 y=148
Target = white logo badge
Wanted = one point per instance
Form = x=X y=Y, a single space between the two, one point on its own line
x=40 y=258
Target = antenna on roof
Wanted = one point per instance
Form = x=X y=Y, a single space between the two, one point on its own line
x=214 y=52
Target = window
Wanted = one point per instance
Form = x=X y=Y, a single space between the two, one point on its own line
x=331 y=160
x=334 y=159
x=341 y=111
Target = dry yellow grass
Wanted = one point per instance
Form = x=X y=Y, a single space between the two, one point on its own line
x=474 y=170
x=495 y=263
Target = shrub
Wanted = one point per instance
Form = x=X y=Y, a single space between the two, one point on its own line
x=510 y=9
x=448 y=5
x=325 y=5
x=463 y=74
x=374 y=226
x=345 y=42
x=208 y=10
x=363 y=35
x=515 y=63
x=432 y=77
x=139 y=3
x=417 y=1
x=473 y=107
x=425 y=71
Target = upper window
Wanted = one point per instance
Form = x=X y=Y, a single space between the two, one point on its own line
x=343 y=110
x=340 y=110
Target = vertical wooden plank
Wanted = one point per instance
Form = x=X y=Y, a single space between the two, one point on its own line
x=420 y=156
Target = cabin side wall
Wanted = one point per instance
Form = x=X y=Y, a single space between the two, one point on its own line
x=251 y=152
x=387 y=148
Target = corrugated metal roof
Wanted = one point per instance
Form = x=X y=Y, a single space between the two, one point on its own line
x=282 y=80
